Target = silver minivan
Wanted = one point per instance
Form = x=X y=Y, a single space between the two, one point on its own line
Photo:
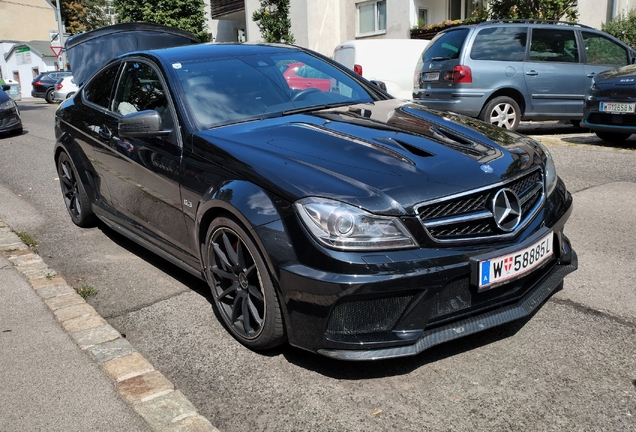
x=506 y=71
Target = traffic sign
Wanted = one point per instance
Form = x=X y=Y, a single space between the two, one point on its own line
x=57 y=50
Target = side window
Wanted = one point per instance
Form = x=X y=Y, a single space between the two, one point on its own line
x=500 y=43
x=554 y=45
x=600 y=50
x=140 y=89
x=99 y=89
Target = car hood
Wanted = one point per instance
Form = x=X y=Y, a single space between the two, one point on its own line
x=386 y=157
x=88 y=52
x=624 y=75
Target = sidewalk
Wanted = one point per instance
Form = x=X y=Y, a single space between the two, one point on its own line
x=63 y=368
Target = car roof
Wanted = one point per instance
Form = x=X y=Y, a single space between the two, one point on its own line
x=220 y=50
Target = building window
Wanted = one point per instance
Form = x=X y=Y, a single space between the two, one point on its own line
x=371 y=17
x=422 y=17
x=36 y=72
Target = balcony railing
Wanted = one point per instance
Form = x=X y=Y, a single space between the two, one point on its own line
x=220 y=8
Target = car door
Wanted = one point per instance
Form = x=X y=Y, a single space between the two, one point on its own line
x=602 y=53
x=147 y=170
x=554 y=73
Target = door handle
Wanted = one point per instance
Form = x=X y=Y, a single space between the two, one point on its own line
x=532 y=73
x=105 y=133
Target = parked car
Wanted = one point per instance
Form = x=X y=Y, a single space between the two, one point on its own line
x=610 y=110
x=503 y=71
x=10 y=120
x=44 y=84
x=390 y=61
x=64 y=88
x=299 y=76
x=14 y=90
x=346 y=222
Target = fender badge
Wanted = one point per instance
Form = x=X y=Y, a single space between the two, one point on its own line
x=487 y=169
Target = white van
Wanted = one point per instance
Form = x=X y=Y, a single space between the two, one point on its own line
x=391 y=61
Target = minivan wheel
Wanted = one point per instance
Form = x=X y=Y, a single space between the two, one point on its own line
x=502 y=111
x=612 y=136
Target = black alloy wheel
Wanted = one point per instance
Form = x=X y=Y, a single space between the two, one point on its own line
x=243 y=291
x=502 y=111
x=612 y=136
x=75 y=197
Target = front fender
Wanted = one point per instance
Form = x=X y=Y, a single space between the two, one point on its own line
x=85 y=170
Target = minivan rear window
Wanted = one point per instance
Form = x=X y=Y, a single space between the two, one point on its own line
x=500 y=43
x=446 y=46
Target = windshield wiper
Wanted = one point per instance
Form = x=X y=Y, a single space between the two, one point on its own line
x=440 y=58
x=320 y=107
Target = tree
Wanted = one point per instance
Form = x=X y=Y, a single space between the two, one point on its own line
x=183 y=14
x=73 y=12
x=273 y=21
x=96 y=14
x=623 y=27
x=534 y=9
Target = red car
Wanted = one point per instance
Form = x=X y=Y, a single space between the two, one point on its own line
x=299 y=76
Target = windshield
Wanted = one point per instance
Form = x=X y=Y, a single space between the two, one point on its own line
x=228 y=90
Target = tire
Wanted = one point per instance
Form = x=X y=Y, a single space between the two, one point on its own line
x=49 y=96
x=243 y=292
x=70 y=95
x=502 y=111
x=18 y=131
x=576 y=123
x=73 y=192
x=612 y=136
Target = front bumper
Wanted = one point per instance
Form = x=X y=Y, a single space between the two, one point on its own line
x=10 y=121
x=415 y=299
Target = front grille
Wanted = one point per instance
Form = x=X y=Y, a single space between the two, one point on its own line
x=367 y=316
x=467 y=217
x=627 y=120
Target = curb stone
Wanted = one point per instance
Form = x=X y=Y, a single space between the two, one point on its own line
x=147 y=391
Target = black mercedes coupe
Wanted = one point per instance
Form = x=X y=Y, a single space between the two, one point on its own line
x=339 y=219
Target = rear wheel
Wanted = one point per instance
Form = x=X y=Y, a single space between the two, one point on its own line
x=49 y=96
x=502 y=111
x=243 y=292
x=73 y=192
x=612 y=136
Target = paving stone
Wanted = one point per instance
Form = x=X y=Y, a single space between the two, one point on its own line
x=48 y=282
x=36 y=271
x=83 y=323
x=144 y=386
x=21 y=252
x=110 y=350
x=59 y=302
x=195 y=423
x=74 y=311
x=53 y=291
x=126 y=367
x=2 y=226
x=26 y=259
x=95 y=336
x=160 y=412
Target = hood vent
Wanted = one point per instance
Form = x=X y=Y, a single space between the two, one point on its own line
x=417 y=151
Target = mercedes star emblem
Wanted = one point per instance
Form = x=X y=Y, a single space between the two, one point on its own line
x=506 y=210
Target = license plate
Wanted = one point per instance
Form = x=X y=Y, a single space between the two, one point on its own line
x=617 y=107
x=431 y=76
x=510 y=266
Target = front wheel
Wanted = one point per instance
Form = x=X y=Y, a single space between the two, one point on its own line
x=612 y=136
x=243 y=292
x=502 y=111
x=73 y=192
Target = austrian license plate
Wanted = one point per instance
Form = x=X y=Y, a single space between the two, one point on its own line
x=430 y=76
x=510 y=266
x=617 y=107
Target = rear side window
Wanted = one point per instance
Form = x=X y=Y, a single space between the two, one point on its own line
x=99 y=90
x=600 y=50
x=554 y=45
x=500 y=43
x=446 y=46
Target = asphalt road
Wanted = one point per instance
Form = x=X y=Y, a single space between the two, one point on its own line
x=571 y=367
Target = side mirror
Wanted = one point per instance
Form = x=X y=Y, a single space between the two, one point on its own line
x=6 y=87
x=379 y=84
x=141 y=124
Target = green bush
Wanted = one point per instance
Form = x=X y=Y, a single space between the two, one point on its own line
x=623 y=27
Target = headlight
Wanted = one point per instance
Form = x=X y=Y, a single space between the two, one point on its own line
x=342 y=226
x=7 y=105
x=549 y=171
